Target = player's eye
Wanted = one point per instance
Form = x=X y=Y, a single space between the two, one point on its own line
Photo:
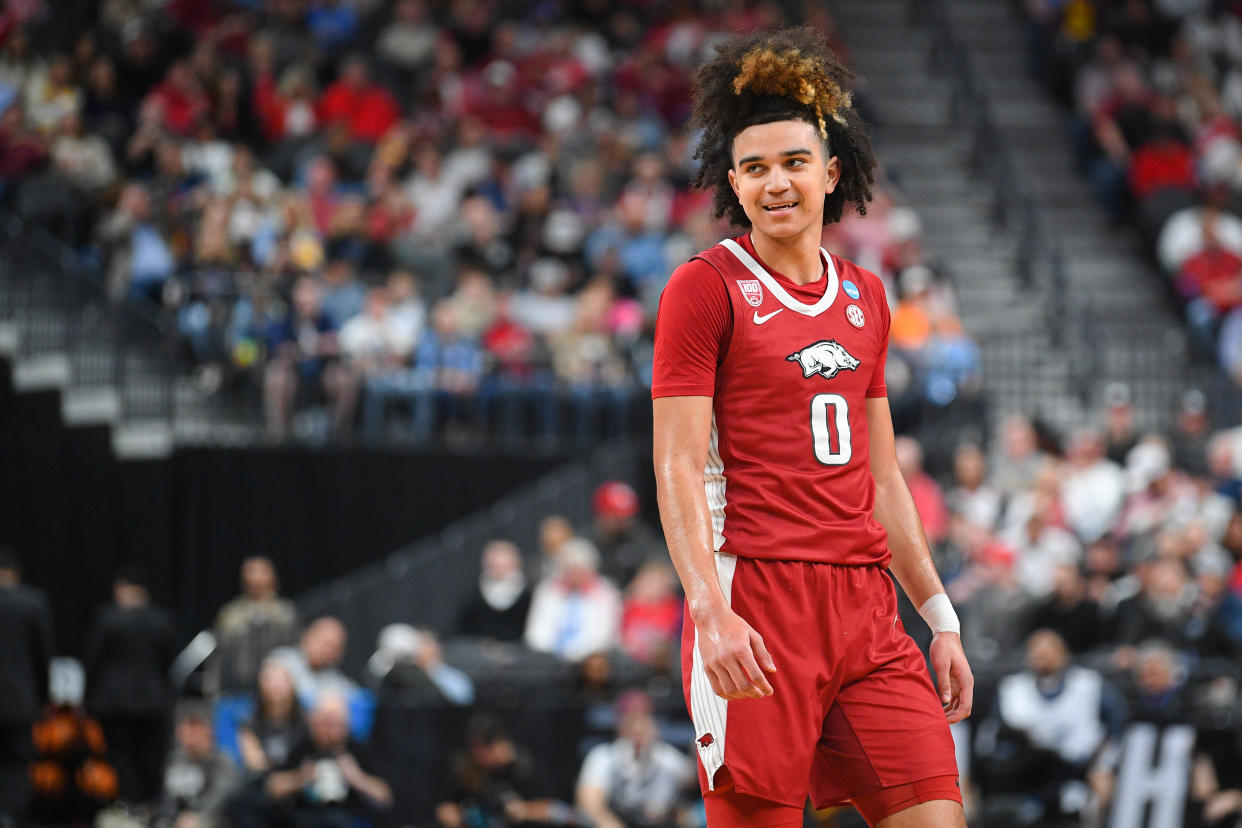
x=795 y=162
x=754 y=168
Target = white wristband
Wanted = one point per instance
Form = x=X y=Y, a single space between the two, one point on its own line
x=938 y=612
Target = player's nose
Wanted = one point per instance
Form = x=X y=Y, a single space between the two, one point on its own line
x=777 y=181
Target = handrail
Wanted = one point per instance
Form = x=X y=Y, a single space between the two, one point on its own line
x=990 y=157
x=23 y=240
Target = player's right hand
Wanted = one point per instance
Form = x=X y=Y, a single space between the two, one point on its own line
x=733 y=655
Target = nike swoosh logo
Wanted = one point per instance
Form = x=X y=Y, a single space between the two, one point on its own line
x=759 y=320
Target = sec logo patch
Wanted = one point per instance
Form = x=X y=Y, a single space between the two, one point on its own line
x=855 y=315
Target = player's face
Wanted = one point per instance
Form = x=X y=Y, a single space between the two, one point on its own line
x=780 y=176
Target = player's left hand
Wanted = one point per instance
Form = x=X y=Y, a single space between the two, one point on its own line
x=955 y=682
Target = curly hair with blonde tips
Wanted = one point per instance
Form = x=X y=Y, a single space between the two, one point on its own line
x=779 y=76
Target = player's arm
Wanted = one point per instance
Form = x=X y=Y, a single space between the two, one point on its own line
x=912 y=562
x=732 y=651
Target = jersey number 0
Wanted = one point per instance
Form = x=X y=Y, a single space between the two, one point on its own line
x=830 y=432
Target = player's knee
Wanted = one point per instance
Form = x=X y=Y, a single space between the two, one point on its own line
x=727 y=808
x=929 y=803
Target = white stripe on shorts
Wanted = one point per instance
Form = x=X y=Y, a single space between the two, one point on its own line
x=708 y=711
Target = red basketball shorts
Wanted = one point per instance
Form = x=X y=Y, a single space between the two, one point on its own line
x=854 y=713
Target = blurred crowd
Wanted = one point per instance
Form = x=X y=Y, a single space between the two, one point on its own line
x=1098 y=576
x=1155 y=92
x=272 y=730
x=406 y=216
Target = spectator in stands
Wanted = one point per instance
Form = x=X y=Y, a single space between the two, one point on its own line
x=129 y=648
x=407 y=43
x=267 y=738
x=329 y=780
x=301 y=346
x=51 y=95
x=1022 y=455
x=519 y=380
x=912 y=318
x=973 y=500
x=588 y=362
x=624 y=542
x=83 y=158
x=638 y=780
x=651 y=616
x=1070 y=612
x=354 y=99
x=252 y=625
x=1040 y=544
x=410 y=660
x=1065 y=713
x=928 y=498
x=1192 y=434
x=1159 y=492
x=1157 y=684
x=448 y=367
x=498 y=605
x=554 y=532
x=199 y=780
x=994 y=606
x=494 y=782
x=577 y=611
x=1210 y=282
x=1161 y=609
x=1120 y=433
x=139 y=258
x=314 y=664
x=22 y=151
x=25 y=653
x=373 y=346
x=1092 y=487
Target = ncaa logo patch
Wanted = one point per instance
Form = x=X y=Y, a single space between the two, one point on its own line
x=855 y=315
x=851 y=289
x=751 y=291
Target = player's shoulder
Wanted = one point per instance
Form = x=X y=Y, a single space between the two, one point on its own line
x=855 y=279
x=701 y=272
x=706 y=264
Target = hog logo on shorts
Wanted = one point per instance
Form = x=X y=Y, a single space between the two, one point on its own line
x=825 y=358
x=706 y=740
x=751 y=291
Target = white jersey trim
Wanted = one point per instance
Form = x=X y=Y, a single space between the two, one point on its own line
x=714 y=486
x=709 y=712
x=769 y=281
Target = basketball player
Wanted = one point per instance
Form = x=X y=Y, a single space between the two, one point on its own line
x=779 y=490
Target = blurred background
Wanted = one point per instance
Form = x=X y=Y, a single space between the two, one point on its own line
x=325 y=350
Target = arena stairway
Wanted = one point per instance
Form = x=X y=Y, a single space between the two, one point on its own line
x=1117 y=323
x=112 y=365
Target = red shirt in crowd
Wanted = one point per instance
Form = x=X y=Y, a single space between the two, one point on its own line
x=1214 y=273
x=369 y=110
x=1163 y=164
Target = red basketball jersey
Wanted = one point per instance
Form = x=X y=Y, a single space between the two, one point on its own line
x=789 y=368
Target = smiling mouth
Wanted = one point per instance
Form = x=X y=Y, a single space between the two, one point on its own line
x=784 y=207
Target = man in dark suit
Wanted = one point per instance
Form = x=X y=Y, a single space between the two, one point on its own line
x=25 y=649
x=129 y=649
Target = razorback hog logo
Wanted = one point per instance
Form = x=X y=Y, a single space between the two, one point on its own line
x=825 y=358
x=706 y=740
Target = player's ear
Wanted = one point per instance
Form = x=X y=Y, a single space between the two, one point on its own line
x=733 y=183
x=832 y=174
